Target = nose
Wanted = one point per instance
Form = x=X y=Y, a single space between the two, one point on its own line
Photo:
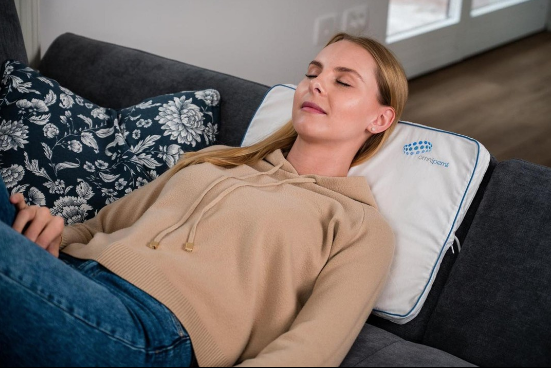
x=316 y=86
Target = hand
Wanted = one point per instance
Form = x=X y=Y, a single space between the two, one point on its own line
x=41 y=227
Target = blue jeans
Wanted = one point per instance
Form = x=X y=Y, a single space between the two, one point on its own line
x=70 y=312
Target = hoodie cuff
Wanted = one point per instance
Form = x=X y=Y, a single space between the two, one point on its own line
x=70 y=236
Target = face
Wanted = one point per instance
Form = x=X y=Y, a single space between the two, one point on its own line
x=341 y=81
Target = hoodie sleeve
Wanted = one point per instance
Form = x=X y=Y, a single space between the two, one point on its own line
x=343 y=297
x=118 y=215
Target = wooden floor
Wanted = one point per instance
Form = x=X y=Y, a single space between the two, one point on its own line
x=501 y=98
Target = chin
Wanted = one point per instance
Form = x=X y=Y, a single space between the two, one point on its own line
x=311 y=130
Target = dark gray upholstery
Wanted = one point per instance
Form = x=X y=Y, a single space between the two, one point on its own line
x=496 y=306
x=115 y=76
x=11 y=45
x=378 y=348
x=415 y=330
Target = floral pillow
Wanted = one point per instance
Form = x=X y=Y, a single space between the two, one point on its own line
x=66 y=153
x=185 y=121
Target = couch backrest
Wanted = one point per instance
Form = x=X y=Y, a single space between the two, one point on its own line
x=11 y=37
x=117 y=77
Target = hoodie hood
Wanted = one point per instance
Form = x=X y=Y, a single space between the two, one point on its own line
x=275 y=164
x=353 y=187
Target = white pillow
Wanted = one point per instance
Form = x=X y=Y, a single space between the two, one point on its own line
x=424 y=181
x=275 y=111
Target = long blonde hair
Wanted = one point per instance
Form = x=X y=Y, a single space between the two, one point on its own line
x=393 y=92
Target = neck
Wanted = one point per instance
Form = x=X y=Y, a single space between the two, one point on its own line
x=318 y=159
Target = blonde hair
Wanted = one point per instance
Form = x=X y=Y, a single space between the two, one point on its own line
x=393 y=92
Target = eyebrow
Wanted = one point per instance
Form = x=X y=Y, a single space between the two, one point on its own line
x=339 y=69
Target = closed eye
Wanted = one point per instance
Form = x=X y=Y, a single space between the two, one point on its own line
x=338 y=81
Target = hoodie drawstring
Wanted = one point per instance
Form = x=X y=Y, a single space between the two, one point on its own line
x=190 y=244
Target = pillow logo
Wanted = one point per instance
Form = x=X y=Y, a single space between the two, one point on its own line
x=417 y=148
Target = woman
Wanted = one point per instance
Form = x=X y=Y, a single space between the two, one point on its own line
x=261 y=256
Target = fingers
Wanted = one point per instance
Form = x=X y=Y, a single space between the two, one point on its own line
x=23 y=218
x=38 y=225
x=18 y=200
x=53 y=249
x=50 y=237
x=42 y=229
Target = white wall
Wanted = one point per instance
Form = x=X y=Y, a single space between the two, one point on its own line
x=29 y=17
x=268 y=41
x=549 y=18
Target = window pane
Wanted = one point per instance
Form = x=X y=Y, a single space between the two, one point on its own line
x=477 y=4
x=481 y=7
x=408 y=15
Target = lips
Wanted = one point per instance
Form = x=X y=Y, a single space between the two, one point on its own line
x=313 y=108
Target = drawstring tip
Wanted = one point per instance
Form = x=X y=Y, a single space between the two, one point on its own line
x=189 y=247
x=154 y=245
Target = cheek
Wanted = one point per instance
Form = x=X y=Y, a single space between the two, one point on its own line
x=300 y=92
x=353 y=104
x=353 y=113
x=300 y=97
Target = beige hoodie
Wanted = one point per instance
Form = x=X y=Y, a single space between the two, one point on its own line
x=263 y=266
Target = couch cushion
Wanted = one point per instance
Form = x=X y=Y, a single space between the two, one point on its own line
x=119 y=77
x=378 y=348
x=495 y=308
x=11 y=37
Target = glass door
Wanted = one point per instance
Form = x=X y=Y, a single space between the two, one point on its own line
x=409 y=18
x=490 y=23
x=429 y=34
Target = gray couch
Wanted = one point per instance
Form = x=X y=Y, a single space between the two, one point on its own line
x=490 y=304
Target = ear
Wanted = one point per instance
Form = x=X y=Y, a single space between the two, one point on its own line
x=384 y=120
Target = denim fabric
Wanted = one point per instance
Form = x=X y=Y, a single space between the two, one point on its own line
x=69 y=312
x=7 y=210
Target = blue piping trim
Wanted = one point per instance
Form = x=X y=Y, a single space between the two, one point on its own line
x=259 y=106
x=454 y=221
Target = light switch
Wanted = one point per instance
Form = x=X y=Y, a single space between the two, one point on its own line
x=324 y=29
x=355 y=20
